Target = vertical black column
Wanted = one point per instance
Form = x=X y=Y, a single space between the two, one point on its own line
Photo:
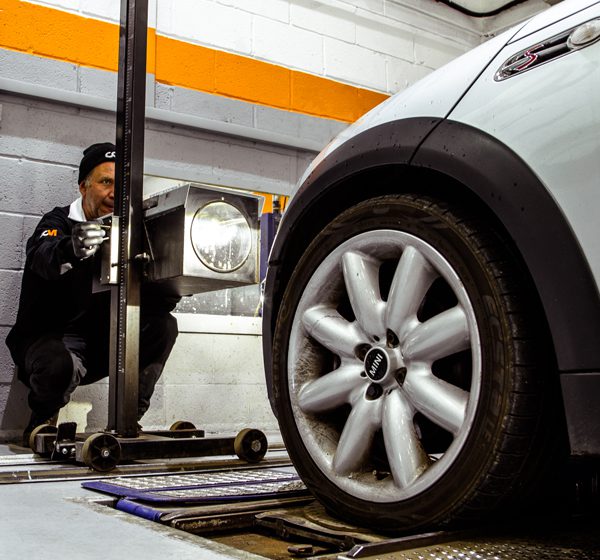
x=125 y=296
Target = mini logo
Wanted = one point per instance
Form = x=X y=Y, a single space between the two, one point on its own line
x=376 y=364
x=49 y=233
x=109 y=154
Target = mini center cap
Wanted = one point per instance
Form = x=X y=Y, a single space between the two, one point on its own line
x=377 y=364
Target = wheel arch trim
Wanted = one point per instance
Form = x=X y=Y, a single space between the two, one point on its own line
x=503 y=183
x=392 y=142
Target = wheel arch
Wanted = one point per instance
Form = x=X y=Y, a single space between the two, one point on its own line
x=505 y=185
x=456 y=162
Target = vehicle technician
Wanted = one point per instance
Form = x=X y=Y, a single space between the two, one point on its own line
x=61 y=336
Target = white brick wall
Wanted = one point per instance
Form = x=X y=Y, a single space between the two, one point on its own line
x=287 y=45
x=435 y=51
x=362 y=43
x=274 y=9
x=402 y=74
x=368 y=67
x=385 y=36
x=206 y=22
x=335 y=20
x=108 y=10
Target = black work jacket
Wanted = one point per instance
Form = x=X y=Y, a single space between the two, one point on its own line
x=56 y=290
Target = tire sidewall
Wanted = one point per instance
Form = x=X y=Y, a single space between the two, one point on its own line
x=458 y=485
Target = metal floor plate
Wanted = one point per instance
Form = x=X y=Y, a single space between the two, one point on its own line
x=488 y=551
x=203 y=480
x=566 y=539
x=202 y=487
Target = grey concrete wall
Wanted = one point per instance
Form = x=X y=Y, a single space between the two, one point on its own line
x=40 y=148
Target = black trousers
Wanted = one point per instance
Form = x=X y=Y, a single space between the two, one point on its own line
x=55 y=365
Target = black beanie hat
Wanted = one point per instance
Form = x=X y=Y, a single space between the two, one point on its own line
x=95 y=155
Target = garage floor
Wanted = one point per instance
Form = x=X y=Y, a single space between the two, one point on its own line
x=61 y=520
x=58 y=519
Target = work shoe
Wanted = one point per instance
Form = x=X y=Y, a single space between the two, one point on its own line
x=37 y=420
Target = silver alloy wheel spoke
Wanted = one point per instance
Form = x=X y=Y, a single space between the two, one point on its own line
x=403 y=448
x=361 y=276
x=330 y=391
x=412 y=279
x=441 y=402
x=356 y=439
x=440 y=336
x=329 y=328
x=341 y=414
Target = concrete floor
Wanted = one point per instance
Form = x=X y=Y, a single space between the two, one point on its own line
x=60 y=520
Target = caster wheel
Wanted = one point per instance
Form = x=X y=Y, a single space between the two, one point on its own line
x=101 y=452
x=250 y=445
x=41 y=429
x=181 y=425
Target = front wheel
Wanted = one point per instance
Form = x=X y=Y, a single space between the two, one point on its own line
x=409 y=374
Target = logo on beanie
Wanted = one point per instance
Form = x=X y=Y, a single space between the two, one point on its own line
x=49 y=233
x=110 y=155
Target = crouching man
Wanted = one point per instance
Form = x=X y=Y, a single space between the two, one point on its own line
x=61 y=336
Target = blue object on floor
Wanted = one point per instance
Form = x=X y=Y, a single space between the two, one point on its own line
x=141 y=510
x=204 y=488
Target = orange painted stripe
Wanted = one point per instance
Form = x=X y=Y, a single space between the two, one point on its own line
x=195 y=70
x=252 y=80
x=318 y=96
x=59 y=35
x=268 y=202
x=150 y=50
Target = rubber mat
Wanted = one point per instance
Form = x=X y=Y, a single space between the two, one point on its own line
x=204 y=487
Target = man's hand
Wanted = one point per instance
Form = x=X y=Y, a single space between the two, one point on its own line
x=86 y=237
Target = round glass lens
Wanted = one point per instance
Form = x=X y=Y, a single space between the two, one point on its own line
x=221 y=236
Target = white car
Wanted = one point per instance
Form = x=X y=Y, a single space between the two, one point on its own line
x=432 y=315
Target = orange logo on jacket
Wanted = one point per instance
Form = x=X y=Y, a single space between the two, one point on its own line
x=50 y=233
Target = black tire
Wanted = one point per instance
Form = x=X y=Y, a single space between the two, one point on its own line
x=501 y=423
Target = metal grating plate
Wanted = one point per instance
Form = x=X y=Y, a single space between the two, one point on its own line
x=578 y=542
x=491 y=551
x=204 y=480
x=249 y=484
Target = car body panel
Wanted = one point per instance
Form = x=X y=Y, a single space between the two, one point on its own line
x=433 y=96
x=516 y=196
x=537 y=176
x=562 y=152
x=564 y=9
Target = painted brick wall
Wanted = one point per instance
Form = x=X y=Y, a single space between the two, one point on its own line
x=357 y=43
x=281 y=53
x=380 y=44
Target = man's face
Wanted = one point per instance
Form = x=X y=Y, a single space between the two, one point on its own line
x=98 y=191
